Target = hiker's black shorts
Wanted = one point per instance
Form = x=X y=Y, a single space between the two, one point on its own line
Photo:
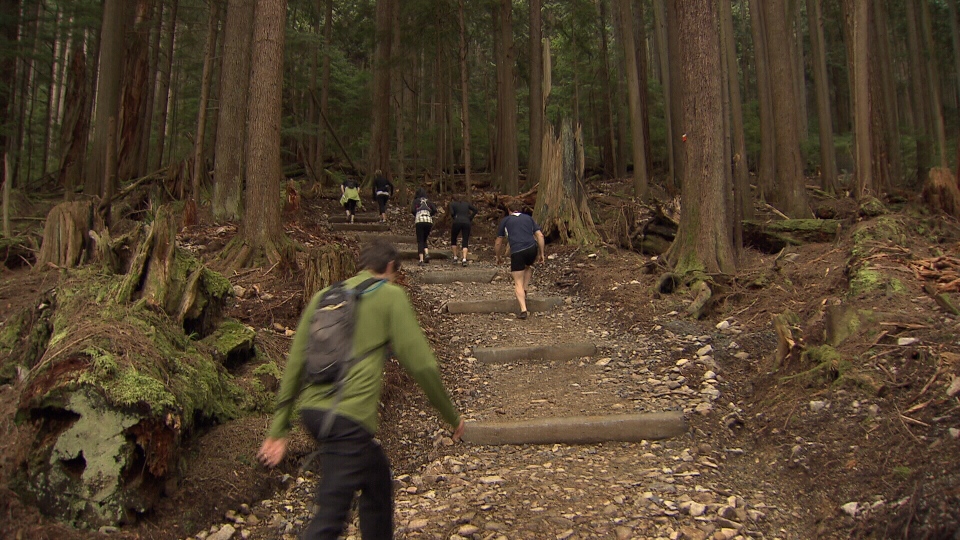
x=520 y=260
x=382 y=203
x=456 y=230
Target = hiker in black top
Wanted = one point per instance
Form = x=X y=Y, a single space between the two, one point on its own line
x=423 y=211
x=382 y=191
x=462 y=213
x=526 y=248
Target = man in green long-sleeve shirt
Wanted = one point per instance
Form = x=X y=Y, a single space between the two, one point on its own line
x=352 y=459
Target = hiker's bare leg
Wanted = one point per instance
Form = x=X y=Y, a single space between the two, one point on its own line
x=518 y=288
x=465 y=250
x=527 y=278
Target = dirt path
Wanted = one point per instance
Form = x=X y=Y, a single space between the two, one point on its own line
x=675 y=488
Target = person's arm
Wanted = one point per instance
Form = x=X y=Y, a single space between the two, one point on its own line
x=275 y=445
x=473 y=212
x=540 y=244
x=413 y=352
x=498 y=248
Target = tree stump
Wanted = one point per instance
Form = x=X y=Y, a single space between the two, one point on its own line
x=65 y=241
x=562 y=208
x=327 y=264
x=940 y=192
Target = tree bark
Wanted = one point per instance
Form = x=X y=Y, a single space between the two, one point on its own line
x=933 y=79
x=703 y=242
x=743 y=202
x=262 y=231
x=611 y=165
x=210 y=46
x=918 y=81
x=640 y=180
x=828 y=157
x=76 y=122
x=166 y=74
x=135 y=75
x=325 y=82
x=8 y=68
x=561 y=208
x=506 y=145
x=464 y=100
x=660 y=39
x=858 y=24
x=536 y=93
x=108 y=96
x=789 y=194
x=380 y=130
x=766 y=167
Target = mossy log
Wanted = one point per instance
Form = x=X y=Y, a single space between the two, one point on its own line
x=773 y=236
x=65 y=235
x=116 y=390
x=327 y=264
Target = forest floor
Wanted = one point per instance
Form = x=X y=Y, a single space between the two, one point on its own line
x=864 y=446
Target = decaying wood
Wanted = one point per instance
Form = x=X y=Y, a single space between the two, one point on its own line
x=786 y=326
x=65 y=242
x=701 y=301
x=773 y=236
x=562 y=208
x=327 y=264
x=940 y=192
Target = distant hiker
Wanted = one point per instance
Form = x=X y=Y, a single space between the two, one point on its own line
x=462 y=213
x=350 y=197
x=423 y=211
x=351 y=458
x=382 y=191
x=526 y=248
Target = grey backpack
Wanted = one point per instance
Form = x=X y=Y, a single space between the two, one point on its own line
x=329 y=353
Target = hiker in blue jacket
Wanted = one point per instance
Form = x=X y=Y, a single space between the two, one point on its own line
x=526 y=248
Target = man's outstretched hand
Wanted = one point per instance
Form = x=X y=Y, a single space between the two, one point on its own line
x=458 y=434
x=272 y=451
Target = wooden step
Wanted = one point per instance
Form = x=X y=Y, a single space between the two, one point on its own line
x=558 y=351
x=358 y=218
x=463 y=275
x=579 y=429
x=367 y=227
x=504 y=305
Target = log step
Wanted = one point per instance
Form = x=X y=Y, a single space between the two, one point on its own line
x=504 y=305
x=392 y=238
x=466 y=275
x=358 y=218
x=408 y=253
x=560 y=351
x=368 y=227
x=578 y=429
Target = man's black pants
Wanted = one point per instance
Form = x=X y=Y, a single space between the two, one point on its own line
x=350 y=461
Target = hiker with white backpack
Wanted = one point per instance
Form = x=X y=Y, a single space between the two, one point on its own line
x=423 y=211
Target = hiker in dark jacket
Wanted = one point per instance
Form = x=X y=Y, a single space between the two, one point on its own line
x=526 y=248
x=382 y=191
x=462 y=213
x=351 y=458
x=423 y=211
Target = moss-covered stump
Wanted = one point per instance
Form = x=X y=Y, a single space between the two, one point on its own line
x=173 y=280
x=772 y=236
x=885 y=233
x=117 y=388
x=232 y=343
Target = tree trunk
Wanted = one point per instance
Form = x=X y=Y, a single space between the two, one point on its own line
x=326 y=265
x=562 y=210
x=828 y=157
x=677 y=97
x=608 y=132
x=232 y=126
x=135 y=76
x=704 y=241
x=955 y=41
x=506 y=146
x=858 y=24
x=108 y=95
x=210 y=47
x=536 y=93
x=743 y=202
x=380 y=130
x=8 y=69
x=59 y=55
x=789 y=194
x=325 y=82
x=76 y=122
x=153 y=73
x=643 y=73
x=933 y=79
x=660 y=38
x=166 y=74
x=640 y=180
x=918 y=81
x=766 y=167
x=889 y=124
x=262 y=231
x=464 y=101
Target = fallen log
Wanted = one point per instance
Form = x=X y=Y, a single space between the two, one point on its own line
x=578 y=429
x=773 y=236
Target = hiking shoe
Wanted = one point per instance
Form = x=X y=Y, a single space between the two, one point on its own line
x=522 y=315
x=464 y=263
x=421 y=263
x=456 y=260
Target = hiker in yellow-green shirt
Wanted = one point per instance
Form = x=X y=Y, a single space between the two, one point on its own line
x=351 y=459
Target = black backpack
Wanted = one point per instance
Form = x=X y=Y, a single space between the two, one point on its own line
x=330 y=347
